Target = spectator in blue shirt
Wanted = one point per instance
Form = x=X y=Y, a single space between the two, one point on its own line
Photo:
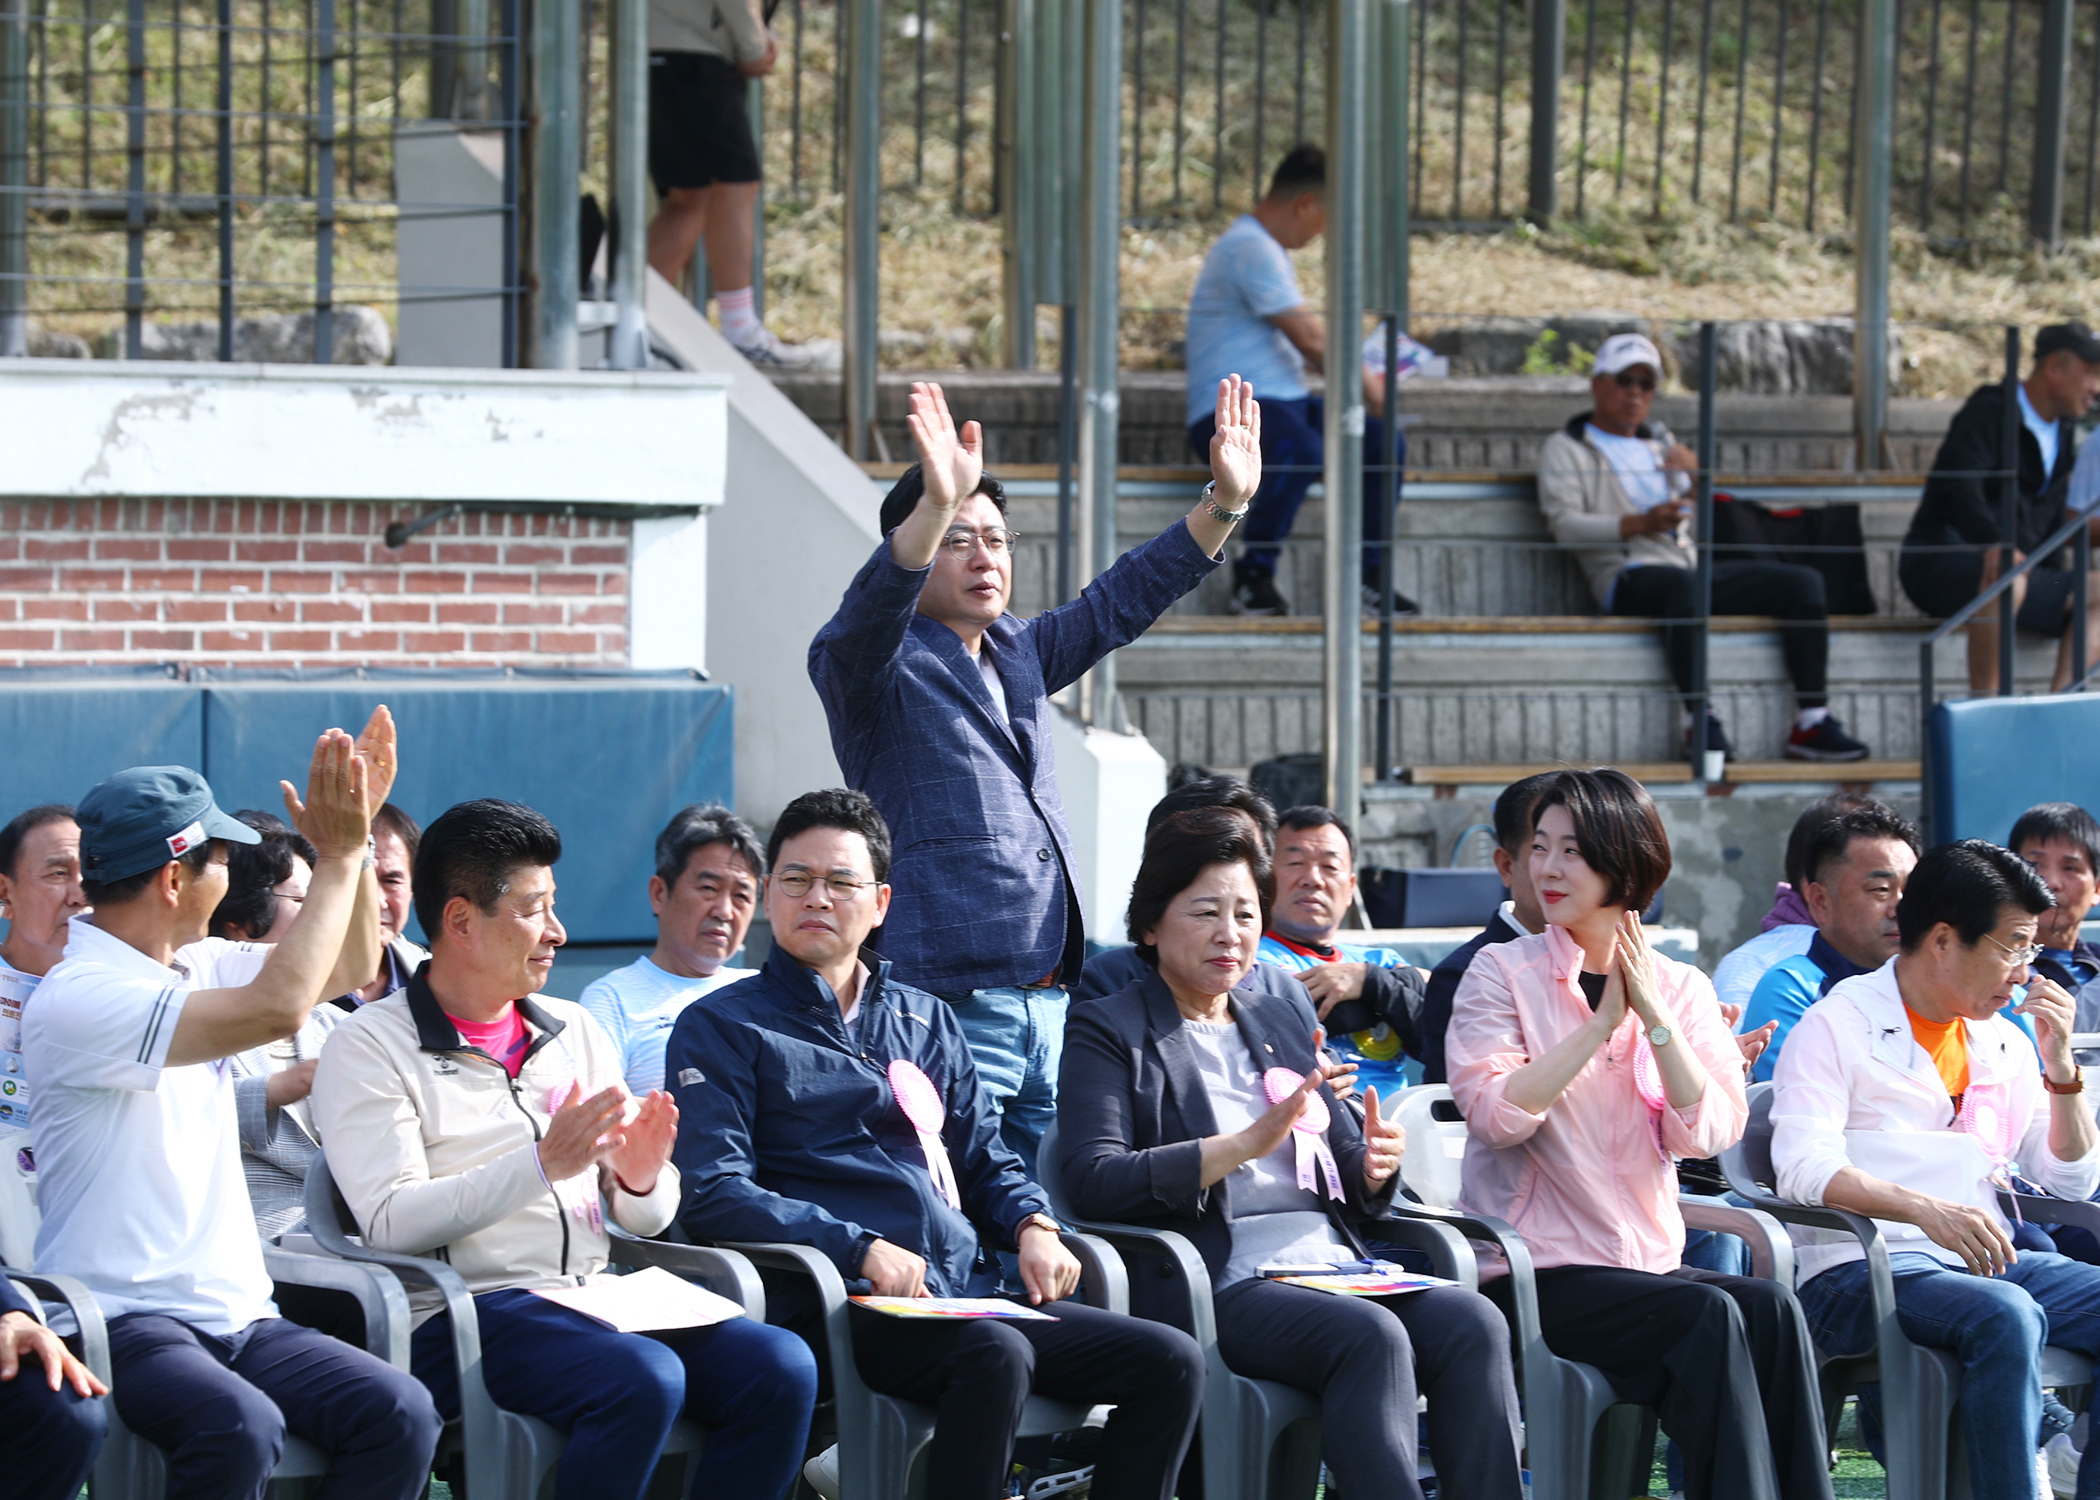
x=1247 y=317
x=704 y=893
x=2062 y=841
x=939 y=707
x=1853 y=872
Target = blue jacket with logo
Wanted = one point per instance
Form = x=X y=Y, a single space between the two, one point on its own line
x=787 y=1130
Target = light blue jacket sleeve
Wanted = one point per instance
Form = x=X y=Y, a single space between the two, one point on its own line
x=1784 y=995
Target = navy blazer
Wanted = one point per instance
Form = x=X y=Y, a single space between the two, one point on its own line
x=984 y=892
x=787 y=1130
x=1132 y=1111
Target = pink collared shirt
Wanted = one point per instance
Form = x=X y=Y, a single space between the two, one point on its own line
x=1592 y=1181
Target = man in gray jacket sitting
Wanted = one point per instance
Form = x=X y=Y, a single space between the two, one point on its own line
x=1615 y=487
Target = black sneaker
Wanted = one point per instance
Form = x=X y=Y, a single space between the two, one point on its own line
x=1716 y=736
x=1827 y=741
x=1254 y=593
x=1402 y=605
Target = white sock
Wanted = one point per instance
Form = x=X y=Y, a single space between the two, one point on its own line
x=740 y=324
x=1809 y=718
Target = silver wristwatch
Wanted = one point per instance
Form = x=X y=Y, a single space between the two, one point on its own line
x=1218 y=512
x=1660 y=1036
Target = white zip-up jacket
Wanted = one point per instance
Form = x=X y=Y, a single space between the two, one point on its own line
x=1583 y=501
x=435 y=1147
x=1854 y=1089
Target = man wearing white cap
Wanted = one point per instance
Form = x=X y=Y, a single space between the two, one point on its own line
x=1613 y=486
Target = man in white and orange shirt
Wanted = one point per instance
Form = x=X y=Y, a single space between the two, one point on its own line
x=1905 y=1096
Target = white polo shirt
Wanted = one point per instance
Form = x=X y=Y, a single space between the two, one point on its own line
x=139 y=1163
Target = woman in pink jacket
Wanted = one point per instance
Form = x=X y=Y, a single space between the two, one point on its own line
x=1585 y=1064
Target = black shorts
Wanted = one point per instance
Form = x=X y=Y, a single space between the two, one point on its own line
x=699 y=123
x=1944 y=583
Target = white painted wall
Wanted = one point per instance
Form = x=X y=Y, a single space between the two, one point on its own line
x=1109 y=782
x=79 y=428
x=667 y=593
x=798 y=519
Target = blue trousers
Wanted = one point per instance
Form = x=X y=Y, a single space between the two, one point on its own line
x=1016 y=1038
x=48 y=1439
x=1292 y=452
x=617 y=1394
x=1996 y=1326
x=220 y=1407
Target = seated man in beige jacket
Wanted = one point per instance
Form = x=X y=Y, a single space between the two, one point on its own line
x=469 y=1119
x=1615 y=488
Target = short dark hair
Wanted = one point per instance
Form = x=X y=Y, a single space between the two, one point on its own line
x=22 y=825
x=474 y=849
x=1216 y=791
x=1966 y=885
x=391 y=819
x=840 y=808
x=1306 y=818
x=2043 y=821
x=903 y=497
x=117 y=892
x=1617 y=829
x=1832 y=839
x=1814 y=816
x=1302 y=170
x=1513 y=812
x=254 y=870
x=1180 y=849
x=696 y=827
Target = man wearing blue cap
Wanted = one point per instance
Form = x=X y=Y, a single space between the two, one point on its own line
x=139 y=1154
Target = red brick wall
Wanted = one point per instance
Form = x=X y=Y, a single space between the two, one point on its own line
x=291 y=583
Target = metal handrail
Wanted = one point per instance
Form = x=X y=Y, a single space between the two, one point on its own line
x=2073 y=533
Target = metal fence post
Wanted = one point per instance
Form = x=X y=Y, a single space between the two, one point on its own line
x=324 y=181
x=1549 y=46
x=555 y=114
x=1872 y=152
x=862 y=59
x=1018 y=154
x=135 y=179
x=1343 y=473
x=629 y=184
x=1703 y=539
x=14 y=178
x=2008 y=512
x=2052 y=107
x=223 y=185
x=755 y=106
x=1099 y=290
x=1389 y=162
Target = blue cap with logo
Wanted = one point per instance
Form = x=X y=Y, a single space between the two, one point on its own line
x=140 y=819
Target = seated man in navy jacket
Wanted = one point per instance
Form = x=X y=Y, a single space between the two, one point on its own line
x=938 y=702
x=791 y=1088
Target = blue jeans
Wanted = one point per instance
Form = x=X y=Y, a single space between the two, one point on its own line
x=617 y=1394
x=1996 y=1326
x=1292 y=452
x=1016 y=1038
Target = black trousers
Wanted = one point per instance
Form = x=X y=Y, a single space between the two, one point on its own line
x=48 y=1439
x=1725 y=1361
x=978 y=1375
x=1786 y=591
x=1366 y=1359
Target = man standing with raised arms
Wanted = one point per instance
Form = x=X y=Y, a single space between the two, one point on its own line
x=938 y=702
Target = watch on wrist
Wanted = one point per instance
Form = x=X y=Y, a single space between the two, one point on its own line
x=1660 y=1036
x=1218 y=512
x=2075 y=1086
x=1037 y=1221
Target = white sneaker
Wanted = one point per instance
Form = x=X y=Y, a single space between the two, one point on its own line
x=822 y=1473
x=2060 y=1466
x=769 y=353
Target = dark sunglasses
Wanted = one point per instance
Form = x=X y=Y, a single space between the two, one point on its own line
x=1629 y=381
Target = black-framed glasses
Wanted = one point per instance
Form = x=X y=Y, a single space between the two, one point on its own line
x=997 y=540
x=799 y=883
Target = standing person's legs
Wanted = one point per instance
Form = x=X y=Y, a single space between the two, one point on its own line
x=377 y=1424
x=615 y=1394
x=680 y=176
x=172 y=1387
x=1676 y=1345
x=753 y=1387
x=48 y=1439
x=1788 y=592
x=1016 y=1036
x=1992 y=1325
x=1784 y=1358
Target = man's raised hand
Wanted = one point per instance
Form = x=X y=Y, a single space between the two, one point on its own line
x=380 y=747
x=1235 y=448
x=951 y=464
x=336 y=816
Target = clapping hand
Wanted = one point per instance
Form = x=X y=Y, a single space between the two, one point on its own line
x=1384 y=1142
x=1235 y=448
x=1751 y=1044
x=336 y=814
x=1637 y=968
x=951 y=464
x=1340 y=1077
x=650 y=1135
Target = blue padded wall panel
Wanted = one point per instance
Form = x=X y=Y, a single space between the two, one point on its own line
x=1993 y=758
x=608 y=758
x=58 y=736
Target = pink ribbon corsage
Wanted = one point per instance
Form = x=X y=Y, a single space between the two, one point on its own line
x=1310 y=1132
x=921 y=1103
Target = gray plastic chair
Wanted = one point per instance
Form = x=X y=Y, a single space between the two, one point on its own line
x=1919 y=1384
x=507 y=1455
x=882 y=1439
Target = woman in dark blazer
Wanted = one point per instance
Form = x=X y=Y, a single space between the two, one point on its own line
x=1165 y=1121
